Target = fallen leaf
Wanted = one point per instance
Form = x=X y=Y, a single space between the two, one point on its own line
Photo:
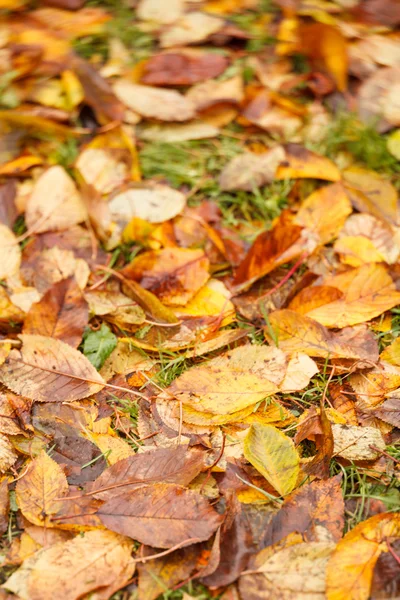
x=155 y=203
x=249 y=171
x=273 y=454
x=4 y=506
x=354 y=443
x=178 y=132
x=55 y=202
x=309 y=510
x=350 y=568
x=302 y=163
x=191 y=28
x=7 y=454
x=296 y=332
x=156 y=103
x=97 y=560
x=62 y=313
x=370 y=192
x=283 y=243
x=367 y=292
x=48 y=370
x=182 y=69
x=112 y=447
x=382 y=85
x=173 y=274
x=169 y=465
x=40 y=491
x=10 y=251
x=324 y=212
x=214 y=92
x=98 y=345
x=161 y=515
x=155 y=10
x=303 y=577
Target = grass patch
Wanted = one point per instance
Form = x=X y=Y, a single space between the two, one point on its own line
x=196 y=165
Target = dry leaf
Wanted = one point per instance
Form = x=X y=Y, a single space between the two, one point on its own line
x=155 y=203
x=350 y=568
x=249 y=171
x=7 y=454
x=62 y=313
x=302 y=163
x=182 y=68
x=97 y=560
x=354 y=443
x=178 y=132
x=55 y=202
x=10 y=252
x=155 y=10
x=40 y=491
x=156 y=103
x=191 y=28
x=48 y=370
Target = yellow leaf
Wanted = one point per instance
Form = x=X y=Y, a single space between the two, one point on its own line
x=370 y=192
x=368 y=292
x=301 y=163
x=273 y=454
x=393 y=144
x=20 y=164
x=10 y=253
x=324 y=212
x=211 y=300
x=230 y=382
x=391 y=354
x=357 y=250
x=350 y=568
x=297 y=332
x=38 y=491
x=114 y=448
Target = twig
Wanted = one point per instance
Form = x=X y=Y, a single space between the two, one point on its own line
x=285 y=278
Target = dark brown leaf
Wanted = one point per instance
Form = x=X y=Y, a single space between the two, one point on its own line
x=162 y=515
x=168 y=465
x=308 y=510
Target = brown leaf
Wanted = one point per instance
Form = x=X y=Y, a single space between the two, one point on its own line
x=161 y=515
x=39 y=491
x=319 y=465
x=62 y=313
x=309 y=510
x=249 y=170
x=47 y=370
x=97 y=560
x=389 y=411
x=168 y=465
x=98 y=92
x=4 y=506
x=8 y=210
x=182 y=68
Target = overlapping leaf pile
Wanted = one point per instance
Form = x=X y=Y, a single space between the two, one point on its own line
x=199 y=300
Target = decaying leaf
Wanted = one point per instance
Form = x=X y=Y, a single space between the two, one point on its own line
x=97 y=560
x=354 y=443
x=273 y=454
x=48 y=370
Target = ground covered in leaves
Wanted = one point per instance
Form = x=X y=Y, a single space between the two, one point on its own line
x=199 y=299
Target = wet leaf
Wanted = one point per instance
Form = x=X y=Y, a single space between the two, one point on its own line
x=273 y=454
x=49 y=370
